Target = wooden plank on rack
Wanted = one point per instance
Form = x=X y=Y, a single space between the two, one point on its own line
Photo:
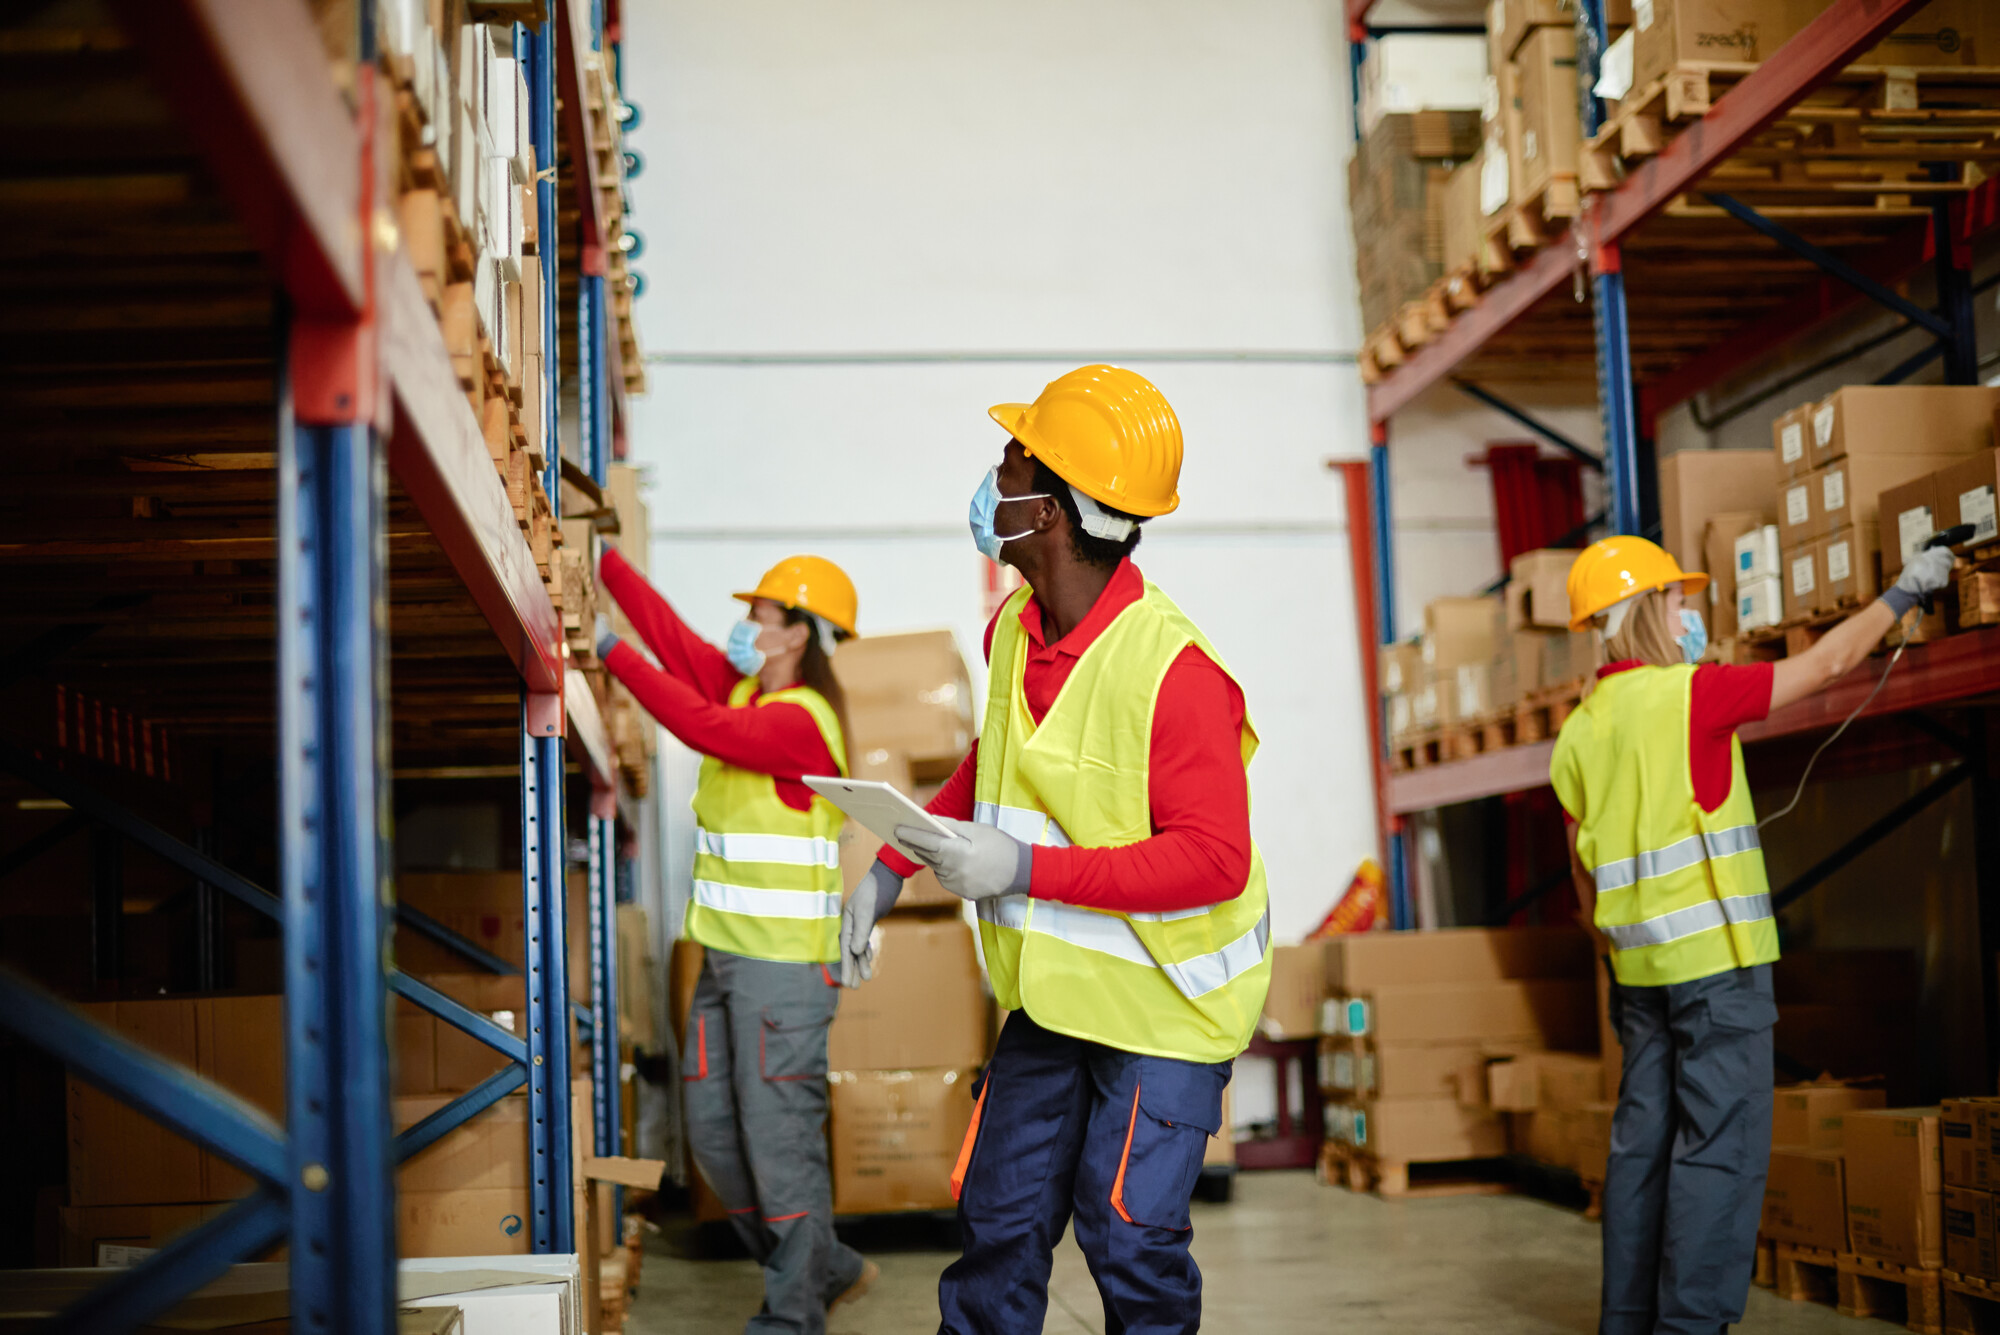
x=586 y=729
x=440 y=458
x=251 y=80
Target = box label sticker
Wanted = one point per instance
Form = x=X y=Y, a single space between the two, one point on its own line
x=1913 y=529
x=1802 y=575
x=1399 y=714
x=1833 y=491
x=1468 y=692
x=1839 y=565
x=1798 y=506
x=1642 y=13
x=1531 y=146
x=1366 y=1075
x=1354 y=1019
x=1823 y=425
x=1614 y=71
x=1792 y=443
x=1493 y=184
x=1343 y=1070
x=1975 y=507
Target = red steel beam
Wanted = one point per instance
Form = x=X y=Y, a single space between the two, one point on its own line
x=250 y=80
x=1827 y=44
x=1354 y=476
x=438 y=454
x=572 y=40
x=1513 y=769
x=1357 y=19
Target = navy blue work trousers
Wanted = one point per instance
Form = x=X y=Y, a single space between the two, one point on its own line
x=1690 y=1145
x=1072 y=1130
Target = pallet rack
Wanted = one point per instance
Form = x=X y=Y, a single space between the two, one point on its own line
x=1667 y=320
x=207 y=267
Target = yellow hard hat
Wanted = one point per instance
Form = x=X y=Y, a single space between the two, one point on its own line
x=1613 y=569
x=811 y=582
x=1109 y=433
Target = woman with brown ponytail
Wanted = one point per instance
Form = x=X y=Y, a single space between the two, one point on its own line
x=765 y=712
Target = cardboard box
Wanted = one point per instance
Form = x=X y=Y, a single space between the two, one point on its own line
x=1849 y=490
x=1965 y=492
x=1759 y=603
x=1942 y=33
x=925 y=1007
x=1399 y=667
x=1546 y=91
x=1461 y=631
x=1697 y=484
x=1545 y=1136
x=467 y=1193
x=1894 y=1185
x=1414 y=1130
x=1796 y=523
x=1544 y=1082
x=1557 y=1013
x=1291 y=1006
x=907 y=693
x=487 y=909
x=1791 y=436
x=1356 y=1069
x=1971 y=1246
x=1756 y=554
x=1674 y=32
x=1593 y=1140
x=896 y=1136
x=487 y=1153
x=1950 y=420
x=1538 y=589
x=1969 y=1142
x=1463 y=219
x=85 y=1232
x=1810 y=1116
x=1802 y=577
x=1412 y=72
x=1849 y=568
x=1805 y=1199
x=1908 y=515
x=1363 y=961
x=1720 y=540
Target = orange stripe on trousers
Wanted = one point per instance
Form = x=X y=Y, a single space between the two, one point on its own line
x=971 y=1138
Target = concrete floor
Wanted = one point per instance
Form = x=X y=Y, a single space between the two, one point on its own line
x=1287 y=1255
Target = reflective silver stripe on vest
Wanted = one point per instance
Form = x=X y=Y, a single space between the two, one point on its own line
x=786 y=849
x=761 y=903
x=1023 y=823
x=1173 y=915
x=1624 y=872
x=1696 y=918
x=1735 y=839
x=1005 y=911
x=1205 y=973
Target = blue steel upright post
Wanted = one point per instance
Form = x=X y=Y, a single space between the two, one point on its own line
x=544 y=840
x=1614 y=336
x=1402 y=908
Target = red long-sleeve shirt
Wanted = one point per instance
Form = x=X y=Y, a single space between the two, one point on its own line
x=1199 y=852
x=688 y=692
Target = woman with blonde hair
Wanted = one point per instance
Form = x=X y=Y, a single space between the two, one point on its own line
x=1670 y=877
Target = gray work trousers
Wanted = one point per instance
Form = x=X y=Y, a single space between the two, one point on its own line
x=754 y=1073
x=1689 y=1148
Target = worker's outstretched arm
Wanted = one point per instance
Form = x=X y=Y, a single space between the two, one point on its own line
x=1838 y=650
x=681 y=652
x=776 y=739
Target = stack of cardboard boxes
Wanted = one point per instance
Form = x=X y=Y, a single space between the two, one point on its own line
x=1480 y=657
x=1837 y=458
x=1396 y=186
x=1969 y=1141
x=1411 y=1022
x=1961 y=493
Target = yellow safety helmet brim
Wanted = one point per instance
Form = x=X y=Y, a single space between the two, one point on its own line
x=810 y=582
x=1613 y=569
x=1106 y=431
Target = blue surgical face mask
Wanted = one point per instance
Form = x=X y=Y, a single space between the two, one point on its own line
x=742 y=650
x=1693 y=639
x=985 y=502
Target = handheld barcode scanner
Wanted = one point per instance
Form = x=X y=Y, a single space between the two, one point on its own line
x=1951 y=537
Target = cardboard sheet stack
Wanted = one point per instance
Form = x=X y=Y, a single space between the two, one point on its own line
x=1397 y=181
x=1412 y=1020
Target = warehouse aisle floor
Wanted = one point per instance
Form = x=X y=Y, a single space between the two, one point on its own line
x=1288 y=1255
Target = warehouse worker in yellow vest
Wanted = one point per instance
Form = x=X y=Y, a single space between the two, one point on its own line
x=1670 y=875
x=1105 y=823
x=765 y=902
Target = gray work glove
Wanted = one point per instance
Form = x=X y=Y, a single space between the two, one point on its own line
x=606 y=641
x=1927 y=572
x=871 y=900
x=981 y=864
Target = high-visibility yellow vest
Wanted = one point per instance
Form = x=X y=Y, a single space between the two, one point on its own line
x=767 y=875
x=1681 y=892
x=1188 y=984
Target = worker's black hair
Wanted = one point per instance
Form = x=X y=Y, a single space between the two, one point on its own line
x=1090 y=550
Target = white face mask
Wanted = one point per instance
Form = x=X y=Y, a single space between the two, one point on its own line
x=742 y=650
x=985 y=502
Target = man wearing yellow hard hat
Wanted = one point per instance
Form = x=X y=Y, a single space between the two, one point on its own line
x=1670 y=877
x=765 y=711
x=1105 y=823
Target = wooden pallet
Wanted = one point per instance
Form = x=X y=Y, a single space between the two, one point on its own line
x=1970 y=1306
x=1418 y=749
x=1875 y=1288
x=1540 y=714
x=1402 y=1180
x=1765 y=1272
x=1807 y=1274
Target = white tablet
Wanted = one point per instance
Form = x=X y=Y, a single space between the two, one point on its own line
x=878 y=806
